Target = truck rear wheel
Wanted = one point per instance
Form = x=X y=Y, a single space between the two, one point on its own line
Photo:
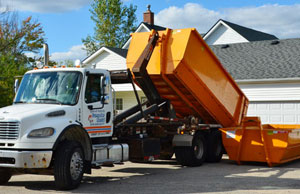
x=194 y=155
x=68 y=165
x=214 y=147
x=5 y=175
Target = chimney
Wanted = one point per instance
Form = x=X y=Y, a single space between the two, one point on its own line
x=149 y=16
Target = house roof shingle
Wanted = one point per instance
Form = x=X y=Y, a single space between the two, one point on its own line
x=247 y=33
x=269 y=59
x=250 y=34
x=119 y=51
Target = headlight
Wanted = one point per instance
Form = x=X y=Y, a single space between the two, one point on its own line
x=43 y=132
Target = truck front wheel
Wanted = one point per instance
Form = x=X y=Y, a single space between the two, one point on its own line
x=68 y=165
x=194 y=155
x=5 y=175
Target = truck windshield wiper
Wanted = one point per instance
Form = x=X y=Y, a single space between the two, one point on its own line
x=19 y=102
x=50 y=99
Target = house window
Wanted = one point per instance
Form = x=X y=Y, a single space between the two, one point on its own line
x=119 y=103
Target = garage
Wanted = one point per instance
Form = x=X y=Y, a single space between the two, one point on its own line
x=276 y=112
x=275 y=102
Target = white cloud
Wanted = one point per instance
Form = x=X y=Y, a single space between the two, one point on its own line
x=75 y=52
x=281 y=20
x=191 y=15
x=45 y=6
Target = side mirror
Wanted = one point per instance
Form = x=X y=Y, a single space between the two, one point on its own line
x=102 y=85
x=16 y=85
x=104 y=89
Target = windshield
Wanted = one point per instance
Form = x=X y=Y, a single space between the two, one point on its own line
x=49 y=87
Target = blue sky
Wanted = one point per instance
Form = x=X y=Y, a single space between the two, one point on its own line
x=66 y=22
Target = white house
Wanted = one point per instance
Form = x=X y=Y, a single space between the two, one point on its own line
x=264 y=67
x=268 y=72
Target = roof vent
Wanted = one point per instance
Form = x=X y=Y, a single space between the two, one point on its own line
x=274 y=42
x=225 y=46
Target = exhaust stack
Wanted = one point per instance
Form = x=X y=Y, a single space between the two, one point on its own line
x=46 y=54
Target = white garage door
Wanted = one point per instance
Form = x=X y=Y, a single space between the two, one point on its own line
x=276 y=112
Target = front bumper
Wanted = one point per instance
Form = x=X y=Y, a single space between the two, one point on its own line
x=25 y=159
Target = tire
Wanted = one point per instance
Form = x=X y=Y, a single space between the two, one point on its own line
x=5 y=175
x=214 y=147
x=68 y=165
x=194 y=155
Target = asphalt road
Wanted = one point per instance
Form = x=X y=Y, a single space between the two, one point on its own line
x=168 y=177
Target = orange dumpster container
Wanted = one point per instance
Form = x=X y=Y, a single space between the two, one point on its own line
x=185 y=71
x=273 y=144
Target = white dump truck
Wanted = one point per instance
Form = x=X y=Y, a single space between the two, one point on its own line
x=62 y=120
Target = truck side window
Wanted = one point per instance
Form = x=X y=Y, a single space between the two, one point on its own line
x=92 y=91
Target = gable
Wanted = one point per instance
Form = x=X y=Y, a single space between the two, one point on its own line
x=250 y=34
x=224 y=35
x=144 y=27
x=107 y=60
x=224 y=32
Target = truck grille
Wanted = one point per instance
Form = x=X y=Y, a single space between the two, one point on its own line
x=9 y=130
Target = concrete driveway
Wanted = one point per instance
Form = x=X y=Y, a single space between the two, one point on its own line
x=168 y=177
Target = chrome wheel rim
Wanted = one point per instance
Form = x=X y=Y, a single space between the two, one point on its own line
x=76 y=165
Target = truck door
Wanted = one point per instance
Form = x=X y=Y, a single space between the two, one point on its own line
x=97 y=106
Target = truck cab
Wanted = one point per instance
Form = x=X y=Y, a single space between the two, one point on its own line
x=56 y=109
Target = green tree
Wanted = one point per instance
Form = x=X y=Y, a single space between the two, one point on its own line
x=67 y=63
x=114 y=23
x=17 y=39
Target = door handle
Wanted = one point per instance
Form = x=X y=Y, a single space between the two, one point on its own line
x=108 y=115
